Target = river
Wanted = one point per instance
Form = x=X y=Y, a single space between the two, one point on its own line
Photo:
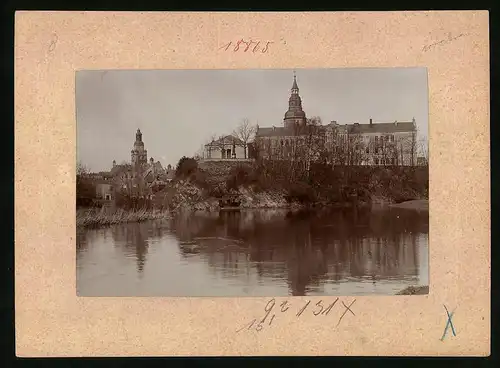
x=257 y=253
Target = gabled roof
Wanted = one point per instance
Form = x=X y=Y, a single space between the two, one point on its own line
x=228 y=139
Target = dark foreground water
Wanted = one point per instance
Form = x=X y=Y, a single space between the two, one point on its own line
x=257 y=253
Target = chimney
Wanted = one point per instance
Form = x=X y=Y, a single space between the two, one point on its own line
x=371 y=121
x=114 y=163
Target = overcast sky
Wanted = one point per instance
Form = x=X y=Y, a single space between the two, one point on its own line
x=178 y=110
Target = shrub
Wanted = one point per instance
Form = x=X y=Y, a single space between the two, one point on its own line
x=302 y=193
x=186 y=167
x=240 y=176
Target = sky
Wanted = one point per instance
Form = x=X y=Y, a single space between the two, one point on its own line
x=178 y=111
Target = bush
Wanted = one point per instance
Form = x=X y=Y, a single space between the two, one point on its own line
x=302 y=193
x=199 y=177
x=241 y=176
x=186 y=167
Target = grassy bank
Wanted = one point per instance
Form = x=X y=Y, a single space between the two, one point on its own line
x=101 y=217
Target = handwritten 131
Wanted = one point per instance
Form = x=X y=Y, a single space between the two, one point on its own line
x=245 y=46
x=258 y=324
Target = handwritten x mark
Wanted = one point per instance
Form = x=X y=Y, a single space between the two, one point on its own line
x=347 y=308
x=449 y=323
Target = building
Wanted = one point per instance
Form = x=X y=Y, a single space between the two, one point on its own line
x=284 y=142
x=104 y=191
x=373 y=143
x=169 y=173
x=139 y=156
x=139 y=178
x=228 y=147
x=300 y=138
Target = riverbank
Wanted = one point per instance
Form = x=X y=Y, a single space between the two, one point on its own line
x=414 y=290
x=101 y=217
x=418 y=204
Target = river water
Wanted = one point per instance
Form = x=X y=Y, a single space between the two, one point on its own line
x=257 y=253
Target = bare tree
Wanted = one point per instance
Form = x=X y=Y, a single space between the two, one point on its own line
x=81 y=169
x=200 y=153
x=245 y=132
x=209 y=144
x=406 y=147
x=422 y=150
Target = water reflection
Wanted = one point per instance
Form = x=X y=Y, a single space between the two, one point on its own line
x=262 y=252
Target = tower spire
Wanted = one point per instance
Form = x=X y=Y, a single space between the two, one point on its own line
x=295 y=87
x=295 y=115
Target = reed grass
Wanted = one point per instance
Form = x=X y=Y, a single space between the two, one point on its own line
x=102 y=217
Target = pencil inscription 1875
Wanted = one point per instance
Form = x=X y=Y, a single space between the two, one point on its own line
x=247 y=45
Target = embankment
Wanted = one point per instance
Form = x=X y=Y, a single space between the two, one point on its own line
x=415 y=290
x=104 y=217
x=418 y=204
x=269 y=185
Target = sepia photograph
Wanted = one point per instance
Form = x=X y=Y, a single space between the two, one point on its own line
x=258 y=182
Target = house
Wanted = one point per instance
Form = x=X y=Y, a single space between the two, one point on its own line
x=373 y=143
x=104 y=190
x=227 y=147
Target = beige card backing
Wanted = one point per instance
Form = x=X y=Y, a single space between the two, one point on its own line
x=52 y=321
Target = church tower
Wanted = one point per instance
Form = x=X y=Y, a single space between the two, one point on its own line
x=295 y=114
x=139 y=154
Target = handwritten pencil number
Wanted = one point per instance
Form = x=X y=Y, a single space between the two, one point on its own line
x=248 y=327
x=303 y=308
x=226 y=47
x=329 y=308
x=318 y=304
x=246 y=45
x=264 y=50
x=249 y=43
x=283 y=306
x=237 y=47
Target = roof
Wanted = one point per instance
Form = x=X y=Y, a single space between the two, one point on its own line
x=396 y=127
x=157 y=166
x=294 y=86
x=118 y=169
x=228 y=139
x=283 y=132
x=274 y=132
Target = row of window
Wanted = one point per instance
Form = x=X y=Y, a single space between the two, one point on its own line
x=386 y=138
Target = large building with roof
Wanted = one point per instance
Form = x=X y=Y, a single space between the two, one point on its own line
x=374 y=143
x=140 y=177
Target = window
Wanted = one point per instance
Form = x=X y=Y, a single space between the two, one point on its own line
x=376 y=140
x=376 y=161
x=392 y=137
